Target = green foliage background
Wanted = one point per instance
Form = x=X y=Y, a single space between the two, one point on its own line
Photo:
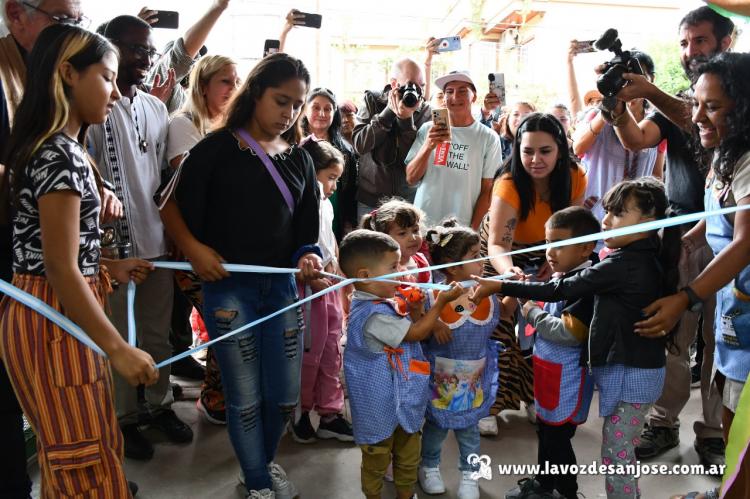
x=670 y=77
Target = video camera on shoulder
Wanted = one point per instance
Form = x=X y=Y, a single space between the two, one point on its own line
x=611 y=81
x=410 y=94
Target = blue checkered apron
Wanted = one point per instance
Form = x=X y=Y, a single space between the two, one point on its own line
x=562 y=388
x=732 y=319
x=470 y=341
x=388 y=388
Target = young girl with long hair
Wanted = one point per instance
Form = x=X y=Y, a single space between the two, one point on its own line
x=63 y=386
x=321 y=364
x=463 y=378
x=401 y=221
x=248 y=195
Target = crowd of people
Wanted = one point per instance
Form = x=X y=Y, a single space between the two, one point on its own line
x=116 y=156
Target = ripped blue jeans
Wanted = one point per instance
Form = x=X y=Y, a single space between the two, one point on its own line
x=260 y=367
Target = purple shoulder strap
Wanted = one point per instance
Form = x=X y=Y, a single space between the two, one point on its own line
x=285 y=192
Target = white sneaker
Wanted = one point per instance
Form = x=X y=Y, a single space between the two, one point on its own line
x=430 y=480
x=469 y=488
x=261 y=494
x=531 y=412
x=488 y=426
x=282 y=487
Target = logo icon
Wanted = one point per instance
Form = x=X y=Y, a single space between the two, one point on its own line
x=483 y=461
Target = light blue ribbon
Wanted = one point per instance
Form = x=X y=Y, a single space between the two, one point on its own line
x=131 y=313
x=50 y=313
x=427 y=285
x=228 y=335
x=229 y=267
x=67 y=325
x=607 y=234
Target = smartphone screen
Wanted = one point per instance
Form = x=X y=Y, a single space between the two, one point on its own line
x=312 y=20
x=449 y=44
x=497 y=86
x=271 y=47
x=168 y=19
x=585 y=46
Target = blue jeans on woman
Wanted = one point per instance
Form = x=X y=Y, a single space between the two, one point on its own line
x=432 y=443
x=260 y=367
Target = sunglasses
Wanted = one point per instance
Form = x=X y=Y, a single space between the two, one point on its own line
x=329 y=93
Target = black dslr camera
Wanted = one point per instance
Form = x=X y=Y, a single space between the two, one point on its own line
x=410 y=94
x=611 y=81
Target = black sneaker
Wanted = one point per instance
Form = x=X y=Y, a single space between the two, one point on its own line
x=136 y=445
x=188 y=368
x=133 y=488
x=176 y=391
x=338 y=428
x=656 y=440
x=529 y=488
x=173 y=428
x=302 y=430
x=711 y=451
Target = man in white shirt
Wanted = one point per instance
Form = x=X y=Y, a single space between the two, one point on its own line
x=454 y=166
x=129 y=148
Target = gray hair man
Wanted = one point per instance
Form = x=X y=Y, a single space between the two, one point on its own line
x=386 y=128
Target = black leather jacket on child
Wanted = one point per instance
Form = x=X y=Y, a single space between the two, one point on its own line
x=623 y=284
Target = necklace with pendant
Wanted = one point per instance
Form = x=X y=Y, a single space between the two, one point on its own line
x=142 y=143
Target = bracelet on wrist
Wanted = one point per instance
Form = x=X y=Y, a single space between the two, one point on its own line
x=591 y=129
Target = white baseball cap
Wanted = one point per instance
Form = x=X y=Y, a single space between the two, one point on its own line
x=455 y=76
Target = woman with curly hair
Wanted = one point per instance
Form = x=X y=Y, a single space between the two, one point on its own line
x=721 y=106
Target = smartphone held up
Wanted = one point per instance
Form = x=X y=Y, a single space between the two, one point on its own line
x=168 y=19
x=584 y=46
x=271 y=47
x=441 y=118
x=448 y=44
x=310 y=20
x=497 y=86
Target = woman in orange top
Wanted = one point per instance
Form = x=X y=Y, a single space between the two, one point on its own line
x=540 y=179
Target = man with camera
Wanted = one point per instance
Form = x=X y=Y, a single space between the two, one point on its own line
x=703 y=33
x=386 y=127
x=454 y=161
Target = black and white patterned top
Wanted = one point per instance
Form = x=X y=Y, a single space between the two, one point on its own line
x=60 y=164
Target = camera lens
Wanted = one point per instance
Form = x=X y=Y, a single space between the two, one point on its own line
x=410 y=98
x=409 y=95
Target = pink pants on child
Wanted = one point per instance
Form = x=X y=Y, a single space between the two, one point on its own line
x=321 y=386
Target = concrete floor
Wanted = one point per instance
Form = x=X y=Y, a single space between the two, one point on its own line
x=207 y=468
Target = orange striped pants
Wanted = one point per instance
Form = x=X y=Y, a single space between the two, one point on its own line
x=65 y=390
